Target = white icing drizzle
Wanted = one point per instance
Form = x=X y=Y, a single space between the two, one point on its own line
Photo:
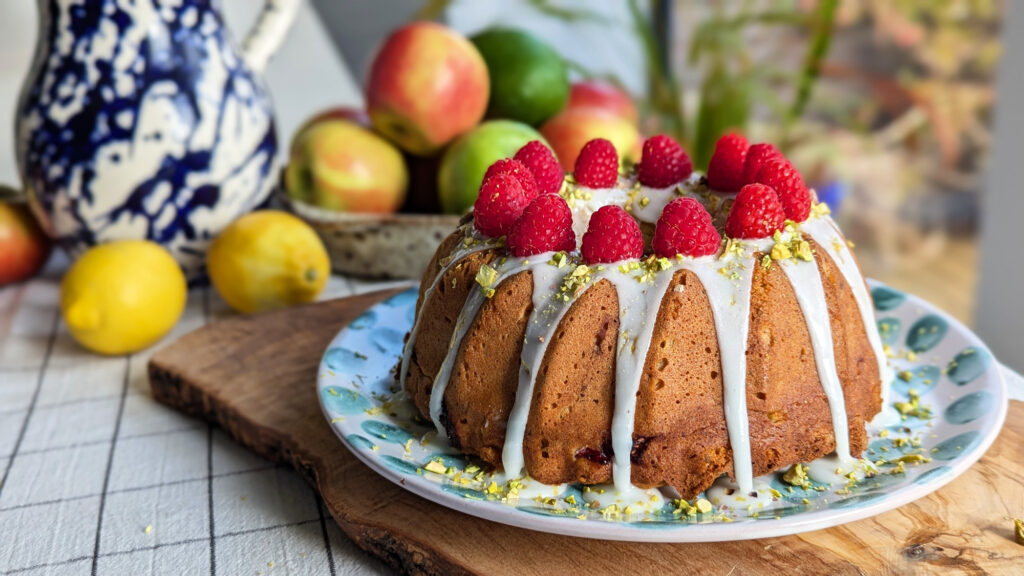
x=540 y=328
x=725 y=493
x=638 y=499
x=810 y=294
x=638 y=312
x=833 y=470
x=729 y=295
x=645 y=203
x=458 y=255
x=469 y=311
x=825 y=232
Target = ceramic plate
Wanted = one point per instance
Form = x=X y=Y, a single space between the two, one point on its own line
x=962 y=402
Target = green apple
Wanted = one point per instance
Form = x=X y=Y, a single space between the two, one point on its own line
x=467 y=159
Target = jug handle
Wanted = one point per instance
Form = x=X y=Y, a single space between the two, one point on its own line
x=268 y=32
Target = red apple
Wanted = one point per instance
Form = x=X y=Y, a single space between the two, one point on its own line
x=603 y=95
x=24 y=247
x=338 y=165
x=427 y=85
x=571 y=128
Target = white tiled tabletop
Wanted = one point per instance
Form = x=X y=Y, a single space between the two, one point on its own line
x=97 y=478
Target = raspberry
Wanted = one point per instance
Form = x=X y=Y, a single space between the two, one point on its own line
x=685 y=227
x=725 y=171
x=756 y=213
x=517 y=169
x=612 y=235
x=545 y=226
x=498 y=205
x=664 y=162
x=545 y=167
x=597 y=166
x=780 y=175
x=757 y=156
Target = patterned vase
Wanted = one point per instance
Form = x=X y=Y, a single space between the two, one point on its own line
x=140 y=119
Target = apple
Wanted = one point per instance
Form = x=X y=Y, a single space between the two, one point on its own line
x=603 y=95
x=427 y=86
x=357 y=116
x=338 y=165
x=467 y=159
x=24 y=247
x=571 y=128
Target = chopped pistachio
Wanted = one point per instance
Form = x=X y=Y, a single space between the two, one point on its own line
x=579 y=277
x=559 y=259
x=435 y=466
x=702 y=505
x=766 y=262
x=906 y=375
x=1018 y=531
x=733 y=247
x=486 y=277
x=803 y=251
x=912 y=459
x=797 y=476
x=781 y=252
x=820 y=209
x=913 y=407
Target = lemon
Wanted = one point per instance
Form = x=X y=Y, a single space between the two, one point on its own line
x=123 y=296
x=267 y=259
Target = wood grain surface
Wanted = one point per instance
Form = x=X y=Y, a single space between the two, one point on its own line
x=255 y=377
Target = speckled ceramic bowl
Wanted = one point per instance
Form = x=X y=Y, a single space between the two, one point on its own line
x=386 y=246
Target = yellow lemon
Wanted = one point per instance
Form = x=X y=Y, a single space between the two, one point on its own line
x=267 y=259
x=122 y=296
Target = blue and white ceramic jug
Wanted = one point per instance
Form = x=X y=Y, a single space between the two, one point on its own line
x=140 y=119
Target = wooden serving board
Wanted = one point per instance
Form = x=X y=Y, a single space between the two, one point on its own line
x=255 y=377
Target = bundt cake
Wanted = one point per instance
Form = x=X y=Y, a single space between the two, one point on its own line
x=650 y=328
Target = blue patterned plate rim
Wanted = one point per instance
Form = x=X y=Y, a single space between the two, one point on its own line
x=354 y=409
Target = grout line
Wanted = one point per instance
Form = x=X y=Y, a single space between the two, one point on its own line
x=99 y=442
x=141 y=488
x=165 y=545
x=268 y=528
x=110 y=463
x=209 y=458
x=323 y=529
x=47 y=565
x=103 y=398
x=32 y=403
x=153 y=547
x=209 y=499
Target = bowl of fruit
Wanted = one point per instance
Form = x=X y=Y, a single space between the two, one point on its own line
x=383 y=186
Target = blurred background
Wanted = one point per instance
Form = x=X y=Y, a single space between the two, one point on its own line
x=886 y=107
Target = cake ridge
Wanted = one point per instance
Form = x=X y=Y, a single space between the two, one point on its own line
x=469 y=245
